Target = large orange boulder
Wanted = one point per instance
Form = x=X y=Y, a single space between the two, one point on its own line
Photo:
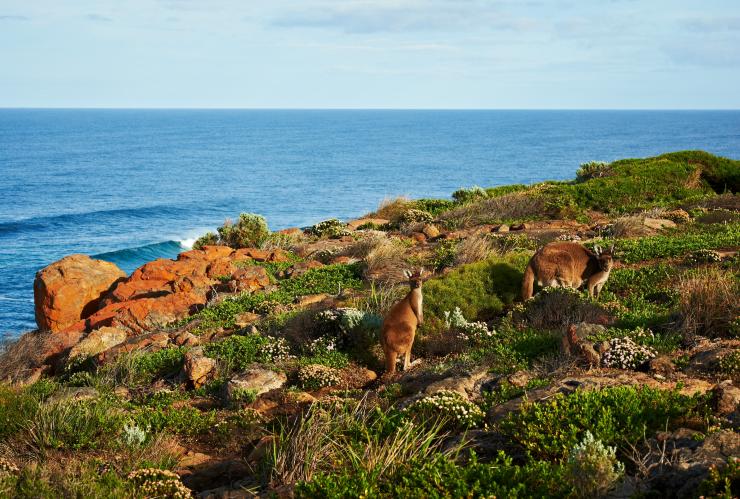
x=70 y=290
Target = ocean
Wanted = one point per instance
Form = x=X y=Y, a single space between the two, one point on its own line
x=130 y=186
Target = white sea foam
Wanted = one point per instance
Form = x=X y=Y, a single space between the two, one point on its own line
x=187 y=243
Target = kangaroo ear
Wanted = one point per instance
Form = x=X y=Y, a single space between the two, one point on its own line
x=597 y=249
x=407 y=273
x=421 y=271
x=611 y=249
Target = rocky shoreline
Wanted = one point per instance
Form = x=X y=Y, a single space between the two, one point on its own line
x=249 y=365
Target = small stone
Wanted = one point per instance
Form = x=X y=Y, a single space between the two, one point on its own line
x=245 y=319
x=98 y=341
x=419 y=237
x=186 y=339
x=661 y=365
x=258 y=379
x=502 y=228
x=726 y=398
x=521 y=226
x=198 y=367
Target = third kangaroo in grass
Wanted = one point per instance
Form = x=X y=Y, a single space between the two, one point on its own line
x=568 y=264
x=399 y=324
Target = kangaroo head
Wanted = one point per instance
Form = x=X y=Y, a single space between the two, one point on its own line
x=415 y=278
x=605 y=258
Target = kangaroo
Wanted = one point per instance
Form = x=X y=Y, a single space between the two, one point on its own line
x=568 y=264
x=399 y=324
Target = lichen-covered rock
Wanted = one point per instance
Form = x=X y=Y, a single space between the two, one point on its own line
x=70 y=290
x=258 y=379
x=98 y=341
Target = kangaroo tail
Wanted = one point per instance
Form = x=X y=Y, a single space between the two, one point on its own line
x=528 y=283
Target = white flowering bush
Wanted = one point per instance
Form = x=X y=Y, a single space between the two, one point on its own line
x=7 y=467
x=133 y=435
x=275 y=350
x=329 y=228
x=475 y=332
x=316 y=376
x=152 y=482
x=414 y=216
x=704 y=256
x=450 y=406
x=321 y=345
x=593 y=468
x=568 y=237
x=624 y=353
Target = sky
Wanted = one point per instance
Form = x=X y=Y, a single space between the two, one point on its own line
x=547 y=54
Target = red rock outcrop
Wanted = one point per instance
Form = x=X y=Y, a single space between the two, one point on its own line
x=70 y=289
x=77 y=295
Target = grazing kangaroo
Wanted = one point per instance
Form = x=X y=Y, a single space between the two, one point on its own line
x=568 y=264
x=399 y=324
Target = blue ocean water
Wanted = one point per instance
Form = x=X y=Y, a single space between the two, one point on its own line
x=133 y=185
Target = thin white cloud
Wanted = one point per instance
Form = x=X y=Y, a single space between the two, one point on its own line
x=400 y=17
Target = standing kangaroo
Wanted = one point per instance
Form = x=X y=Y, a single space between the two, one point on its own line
x=568 y=264
x=399 y=325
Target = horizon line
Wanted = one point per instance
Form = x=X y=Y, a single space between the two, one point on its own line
x=185 y=108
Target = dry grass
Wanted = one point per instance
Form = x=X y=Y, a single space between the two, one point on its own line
x=558 y=308
x=385 y=257
x=20 y=357
x=517 y=205
x=727 y=201
x=631 y=226
x=708 y=303
x=473 y=249
x=391 y=208
x=381 y=298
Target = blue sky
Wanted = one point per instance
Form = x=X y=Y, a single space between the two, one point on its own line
x=370 y=53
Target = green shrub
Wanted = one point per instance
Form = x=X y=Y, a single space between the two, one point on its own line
x=207 y=239
x=237 y=352
x=433 y=206
x=614 y=415
x=592 y=169
x=722 y=483
x=730 y=364
x=327 y=279
x=73 y=425
x=444 y=255
x=180 y=420
x=480 y=289
x=462 y=196
x=501 y=190
x=152 y=365
x=441 y=477
x=679 y=242
x=17 y=406
x=248 y=232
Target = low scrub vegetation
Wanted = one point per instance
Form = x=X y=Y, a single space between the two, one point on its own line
x=498 y=402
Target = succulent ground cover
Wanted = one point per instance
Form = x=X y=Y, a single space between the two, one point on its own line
x=281 y=390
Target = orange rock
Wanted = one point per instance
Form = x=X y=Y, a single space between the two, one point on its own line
x=220 y=267
x=249 y=278
x=70 y=289
x=132 y=290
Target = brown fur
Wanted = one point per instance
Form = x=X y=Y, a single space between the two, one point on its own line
x=567 y=264
x=400 y=323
